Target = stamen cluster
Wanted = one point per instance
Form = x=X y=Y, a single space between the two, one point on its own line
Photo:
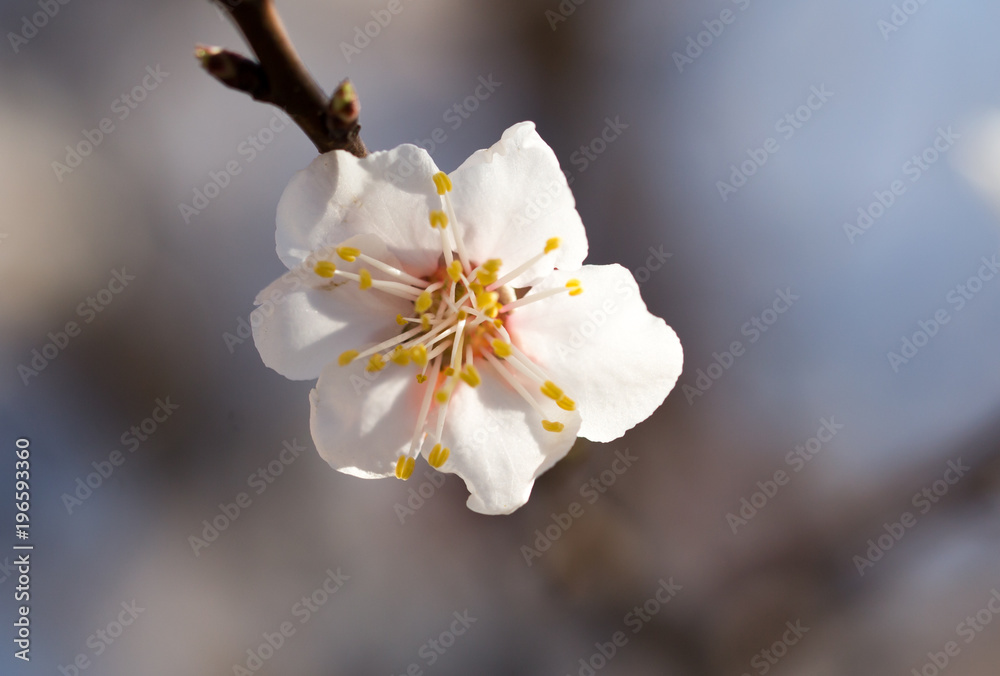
x=457 y=326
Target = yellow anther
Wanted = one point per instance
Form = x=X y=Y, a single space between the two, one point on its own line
x=401 y=320
x=404 y=467
x=551 y=245
x=418 y=353
x=498 y=323
x=441 y=396
x=551 y=426
x=493 y=312
x=423 y=303
x=462 y=314
x=486 y=299
x=438 y=455
x=455 y=270
x=366 y=279
x=550 y=390
x=501 y=349
x=493 y=264
x=442 y=182
x=449 y=371
x=348 y=253
x=566 y=404
x=470 y=375
x=346 y=358
x=375 y=363
x=476 y=288
x=574 y=287
x=421 y=378
x=486 y=277
x=325 y=269
x=425 y=322
x=439 y=219
x=400 y=356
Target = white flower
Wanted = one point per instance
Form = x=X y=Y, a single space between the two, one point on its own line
x=450 y=316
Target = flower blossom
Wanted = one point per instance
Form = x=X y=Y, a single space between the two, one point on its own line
x=450 y=316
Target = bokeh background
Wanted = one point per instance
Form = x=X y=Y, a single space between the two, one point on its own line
x=172 y=335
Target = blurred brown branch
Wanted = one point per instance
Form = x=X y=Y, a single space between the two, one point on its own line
x=280 y=78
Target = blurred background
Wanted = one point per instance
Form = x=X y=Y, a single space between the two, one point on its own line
x=817 y=182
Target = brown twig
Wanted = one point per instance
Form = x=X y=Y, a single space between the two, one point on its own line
x=280 y=78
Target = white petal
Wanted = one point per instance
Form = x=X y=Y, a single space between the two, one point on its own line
x=361 y=422
x=388 y=193
x=299 y=329
x=511 y=198
x=498 y=445
x=602 y=347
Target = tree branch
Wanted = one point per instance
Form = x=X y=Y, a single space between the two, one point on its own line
x=280 y=78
